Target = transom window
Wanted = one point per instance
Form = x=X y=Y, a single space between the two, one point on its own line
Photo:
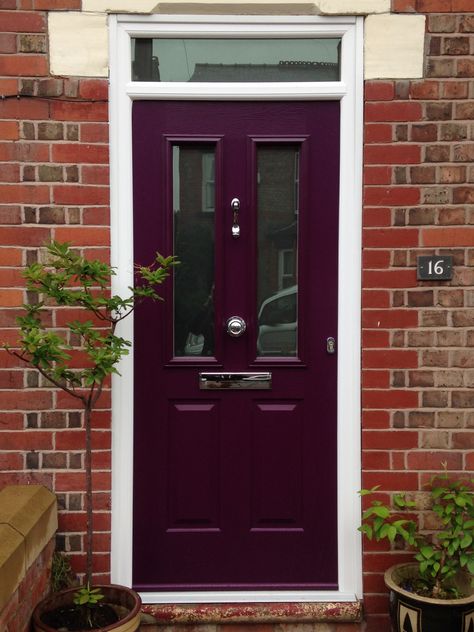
x=235 y=59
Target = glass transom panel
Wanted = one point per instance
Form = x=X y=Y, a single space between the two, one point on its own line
x=236 y=59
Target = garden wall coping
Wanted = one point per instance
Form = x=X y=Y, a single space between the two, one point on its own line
x=28 y=521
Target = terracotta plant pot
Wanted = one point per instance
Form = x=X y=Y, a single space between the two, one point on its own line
x=124 y=600
x=409 y=611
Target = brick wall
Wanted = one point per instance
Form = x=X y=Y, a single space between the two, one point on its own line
x=53 y=185
x=35 y=586
x=418 y=340
x=418 y=337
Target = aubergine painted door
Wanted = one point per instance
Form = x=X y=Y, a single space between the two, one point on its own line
x=235 y=470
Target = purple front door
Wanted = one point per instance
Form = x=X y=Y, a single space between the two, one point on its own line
x=235 y=420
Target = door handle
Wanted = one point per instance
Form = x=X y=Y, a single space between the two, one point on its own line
x=235 y=326
x=235 y=206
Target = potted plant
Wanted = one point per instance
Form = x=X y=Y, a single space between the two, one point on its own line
x=433 y=593
x=78 y=359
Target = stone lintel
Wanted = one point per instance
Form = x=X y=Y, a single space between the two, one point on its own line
x=394 y=46
x=78 y=44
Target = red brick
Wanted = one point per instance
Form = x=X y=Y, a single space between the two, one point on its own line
x=9 y=173
x=57 y=5
x=404 y=6
x=378 y=133
x=389 y=358
x=455 y=89
x=9 y=130
x=11 y=461
x=23 y=193
x=375 y=460
x=24 y=152
x=10 y=256
x=434 y=6
x=376 y=258
x=10 y=298
x=26 y=439
x=390 y=237
x=375 y=419
x=448 y=236
x=23 y=22
x=379 y=91
x=375 y=379
x=25 y=237
x=396 y=195
x=375 y=299
x=384 y=439
x=97 y=216
x=394 y=111
x=23 y=109
x=389 y=318
x=424 y=90
x=427 y=460
x=8 y=44
x=66 y=111
x=10 y=277
x=94 y=89
x=398 y=278
x=392 y=154
x=377 y=216
x=94 y=132
x=77 y=153
x=396 y=481
x=78 y=195
x=373 y=338
x=463 y=440
x=23 y=65
x=377 y=175
x=8 y=87
x=462 y=6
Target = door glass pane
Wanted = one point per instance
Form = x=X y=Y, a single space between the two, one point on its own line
x=277 y=287
x=215 y=60
x=193 y=224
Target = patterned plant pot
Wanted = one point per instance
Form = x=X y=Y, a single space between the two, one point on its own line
x=412 y=613
x=125 y=601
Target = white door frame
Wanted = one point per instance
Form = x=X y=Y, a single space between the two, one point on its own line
x=349 y=90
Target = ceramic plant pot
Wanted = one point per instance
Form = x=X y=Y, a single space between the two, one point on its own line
x=124 y=601
x=410 y=612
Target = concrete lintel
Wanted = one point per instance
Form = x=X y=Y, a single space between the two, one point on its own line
x=78 y=44
x=352 y=7
x=119 y=6
x=394 y=46
x=262 y=7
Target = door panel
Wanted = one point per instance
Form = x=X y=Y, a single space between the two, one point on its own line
x=228 y=484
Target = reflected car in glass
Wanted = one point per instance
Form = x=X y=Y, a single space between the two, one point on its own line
x=277 y=324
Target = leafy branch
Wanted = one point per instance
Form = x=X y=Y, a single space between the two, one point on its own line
x=69 y=280
x=441 y=554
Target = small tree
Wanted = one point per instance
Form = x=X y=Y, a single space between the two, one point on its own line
x=70 y=280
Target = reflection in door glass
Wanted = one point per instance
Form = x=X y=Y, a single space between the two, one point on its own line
x=277 y=287
x=193 y=218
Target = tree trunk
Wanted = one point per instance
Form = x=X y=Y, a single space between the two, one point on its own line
x=89 y=508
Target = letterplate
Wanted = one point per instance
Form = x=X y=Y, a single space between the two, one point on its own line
x=241 y=381
x=435 y=268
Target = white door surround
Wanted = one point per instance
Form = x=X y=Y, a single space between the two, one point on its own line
x=349 y=90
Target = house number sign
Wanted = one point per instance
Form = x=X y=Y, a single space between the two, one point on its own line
x=435 y=268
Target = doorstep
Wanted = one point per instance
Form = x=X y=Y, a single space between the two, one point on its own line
x=252 y=613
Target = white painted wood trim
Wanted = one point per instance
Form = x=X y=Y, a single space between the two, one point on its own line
x=349 y=91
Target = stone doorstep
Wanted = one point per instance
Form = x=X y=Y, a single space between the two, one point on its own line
x=28 y=521
x=251 y=613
